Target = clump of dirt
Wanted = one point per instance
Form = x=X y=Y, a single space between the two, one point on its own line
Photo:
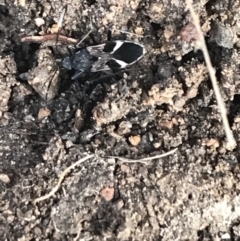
x=164 y=101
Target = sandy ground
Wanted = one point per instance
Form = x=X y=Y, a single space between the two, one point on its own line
x=163 y=102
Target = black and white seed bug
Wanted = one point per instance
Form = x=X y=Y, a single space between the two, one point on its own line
x=113 y=55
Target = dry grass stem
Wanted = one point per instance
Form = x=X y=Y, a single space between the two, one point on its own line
x=61 y=178
x=231 y=141
x=143 y=160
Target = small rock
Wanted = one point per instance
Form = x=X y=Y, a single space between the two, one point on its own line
x=124 y=127
x=47 y=8
x=21 y=90
x=166 y=124
x=120 y=204
x=189 y=33
x=4 y=178
x=10 y=219
x=237 y=119
x=139 y=30
x=168 y=32
x=37 y=231
x=226 y=236
x=107 y=193
x=135 y=140
x=213 y=142
x=4 y=122
x=79 y=120
x=54 y=29
x=22 y=3
x=45 y=77
x=223 y=35
x=43 y=113
x=156 y=145
x=125 y=168
x=5 y=96
x=7 y=115
x=29 y=118
x=39 y=22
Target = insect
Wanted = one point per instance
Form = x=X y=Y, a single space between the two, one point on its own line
x=113 y=55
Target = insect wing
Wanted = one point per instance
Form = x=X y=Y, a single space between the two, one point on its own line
x=96 y=51
x=103 y=56
x=116 y=55
x=128 y=53
x=100 y=64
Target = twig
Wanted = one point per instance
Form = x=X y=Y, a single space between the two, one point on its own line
x=144 y=160
x=61 y=178
x=49 y=38
x=231 y=141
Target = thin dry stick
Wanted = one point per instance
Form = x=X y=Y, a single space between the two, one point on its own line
x=61 y=178
x=144 y=160
x=231 y=141
x=48 y=38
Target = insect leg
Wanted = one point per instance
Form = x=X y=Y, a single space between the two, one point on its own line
x=77 y=74
x=109 y=35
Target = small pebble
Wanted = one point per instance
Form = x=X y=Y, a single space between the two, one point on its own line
x=4 y=178
x=156 y=145
x=39 y=21
x=43 y=113
x=54 y=29
x=120 y=204
x=223 y=35
x=139 y=30
x=135 y=140
x=107 y=193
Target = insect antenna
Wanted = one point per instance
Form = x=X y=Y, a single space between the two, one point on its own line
x=88 y=33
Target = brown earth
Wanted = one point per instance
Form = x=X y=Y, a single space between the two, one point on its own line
x=165 y=101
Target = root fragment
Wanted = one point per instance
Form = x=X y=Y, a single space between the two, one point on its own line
x=61 y=178
x=143 y=160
